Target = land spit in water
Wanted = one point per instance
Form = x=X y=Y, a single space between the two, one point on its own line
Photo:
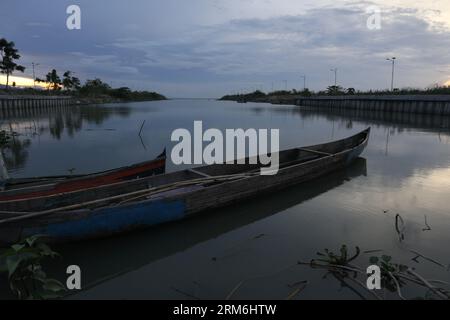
x=416 y=104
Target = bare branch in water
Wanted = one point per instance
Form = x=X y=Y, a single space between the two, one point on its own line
x=235 y=289
x=428 y=228
x=373 y=251
x=400 y=227
x=399 y=290
x=185 y=293
x=294 y=293
x=419 y=255
x=429 y=285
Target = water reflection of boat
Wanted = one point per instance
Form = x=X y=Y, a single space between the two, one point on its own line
x=122 y=207
x=29 y=188
x=105 y=262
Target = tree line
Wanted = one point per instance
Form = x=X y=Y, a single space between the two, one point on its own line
x=9 y=57
x=335 y=91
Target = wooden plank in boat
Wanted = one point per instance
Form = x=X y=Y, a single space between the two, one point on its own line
x=316 y=152
x=200 y=173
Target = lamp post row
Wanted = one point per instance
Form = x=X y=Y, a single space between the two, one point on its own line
x=335 y=70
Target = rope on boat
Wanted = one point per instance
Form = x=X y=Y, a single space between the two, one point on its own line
x=18 y=216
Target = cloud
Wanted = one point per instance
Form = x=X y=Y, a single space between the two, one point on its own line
x=38 y=24
x=215 y=47
x=104 y=63
x=319 y=37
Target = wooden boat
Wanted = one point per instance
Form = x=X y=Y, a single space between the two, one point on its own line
x=28 y=188
x=125 y=206
x=110 y=263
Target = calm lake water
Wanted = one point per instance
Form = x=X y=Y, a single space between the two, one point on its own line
x=405 y=170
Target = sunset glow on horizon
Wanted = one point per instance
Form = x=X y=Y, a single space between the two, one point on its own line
x=22 y=82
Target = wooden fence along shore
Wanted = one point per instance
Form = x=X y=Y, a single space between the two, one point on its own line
x=423 y=104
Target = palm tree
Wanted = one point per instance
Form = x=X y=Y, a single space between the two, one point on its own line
x=335 y=90
x=70 y=82
x=351 y=91
x=54 y=80
x=8 y=55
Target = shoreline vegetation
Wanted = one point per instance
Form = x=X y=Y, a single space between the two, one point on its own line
x=93 y=91
x=332 y=91
x=97 y=93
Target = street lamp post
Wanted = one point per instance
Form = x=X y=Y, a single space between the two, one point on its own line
x=335 y=70
x=304 y=82
x=393 y=71
x=34 y=73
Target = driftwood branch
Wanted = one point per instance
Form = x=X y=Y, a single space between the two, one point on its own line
x=427 y=226
x=397 y=285
x=400 y=227
x=419 y=255
x=142 y=127
x=427 y=284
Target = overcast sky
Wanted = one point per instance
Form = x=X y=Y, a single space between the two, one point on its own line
x=207 y=48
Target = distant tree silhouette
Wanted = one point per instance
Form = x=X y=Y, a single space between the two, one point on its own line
x=95 y=87
x=121 y=93
x=53 y=80
x=9 y=54
x=335 y=90
x=306 y=93
x=70 y=82
x=351 y=91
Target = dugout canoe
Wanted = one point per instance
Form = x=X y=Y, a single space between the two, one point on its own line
x=122 y=207
x=29 y=188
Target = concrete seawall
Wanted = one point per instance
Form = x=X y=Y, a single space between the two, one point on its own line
x=417 y=104
x=16 y=105
x=34 y=101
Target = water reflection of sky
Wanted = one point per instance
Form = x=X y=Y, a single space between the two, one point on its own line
x=100 y=137
x=406 y=171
